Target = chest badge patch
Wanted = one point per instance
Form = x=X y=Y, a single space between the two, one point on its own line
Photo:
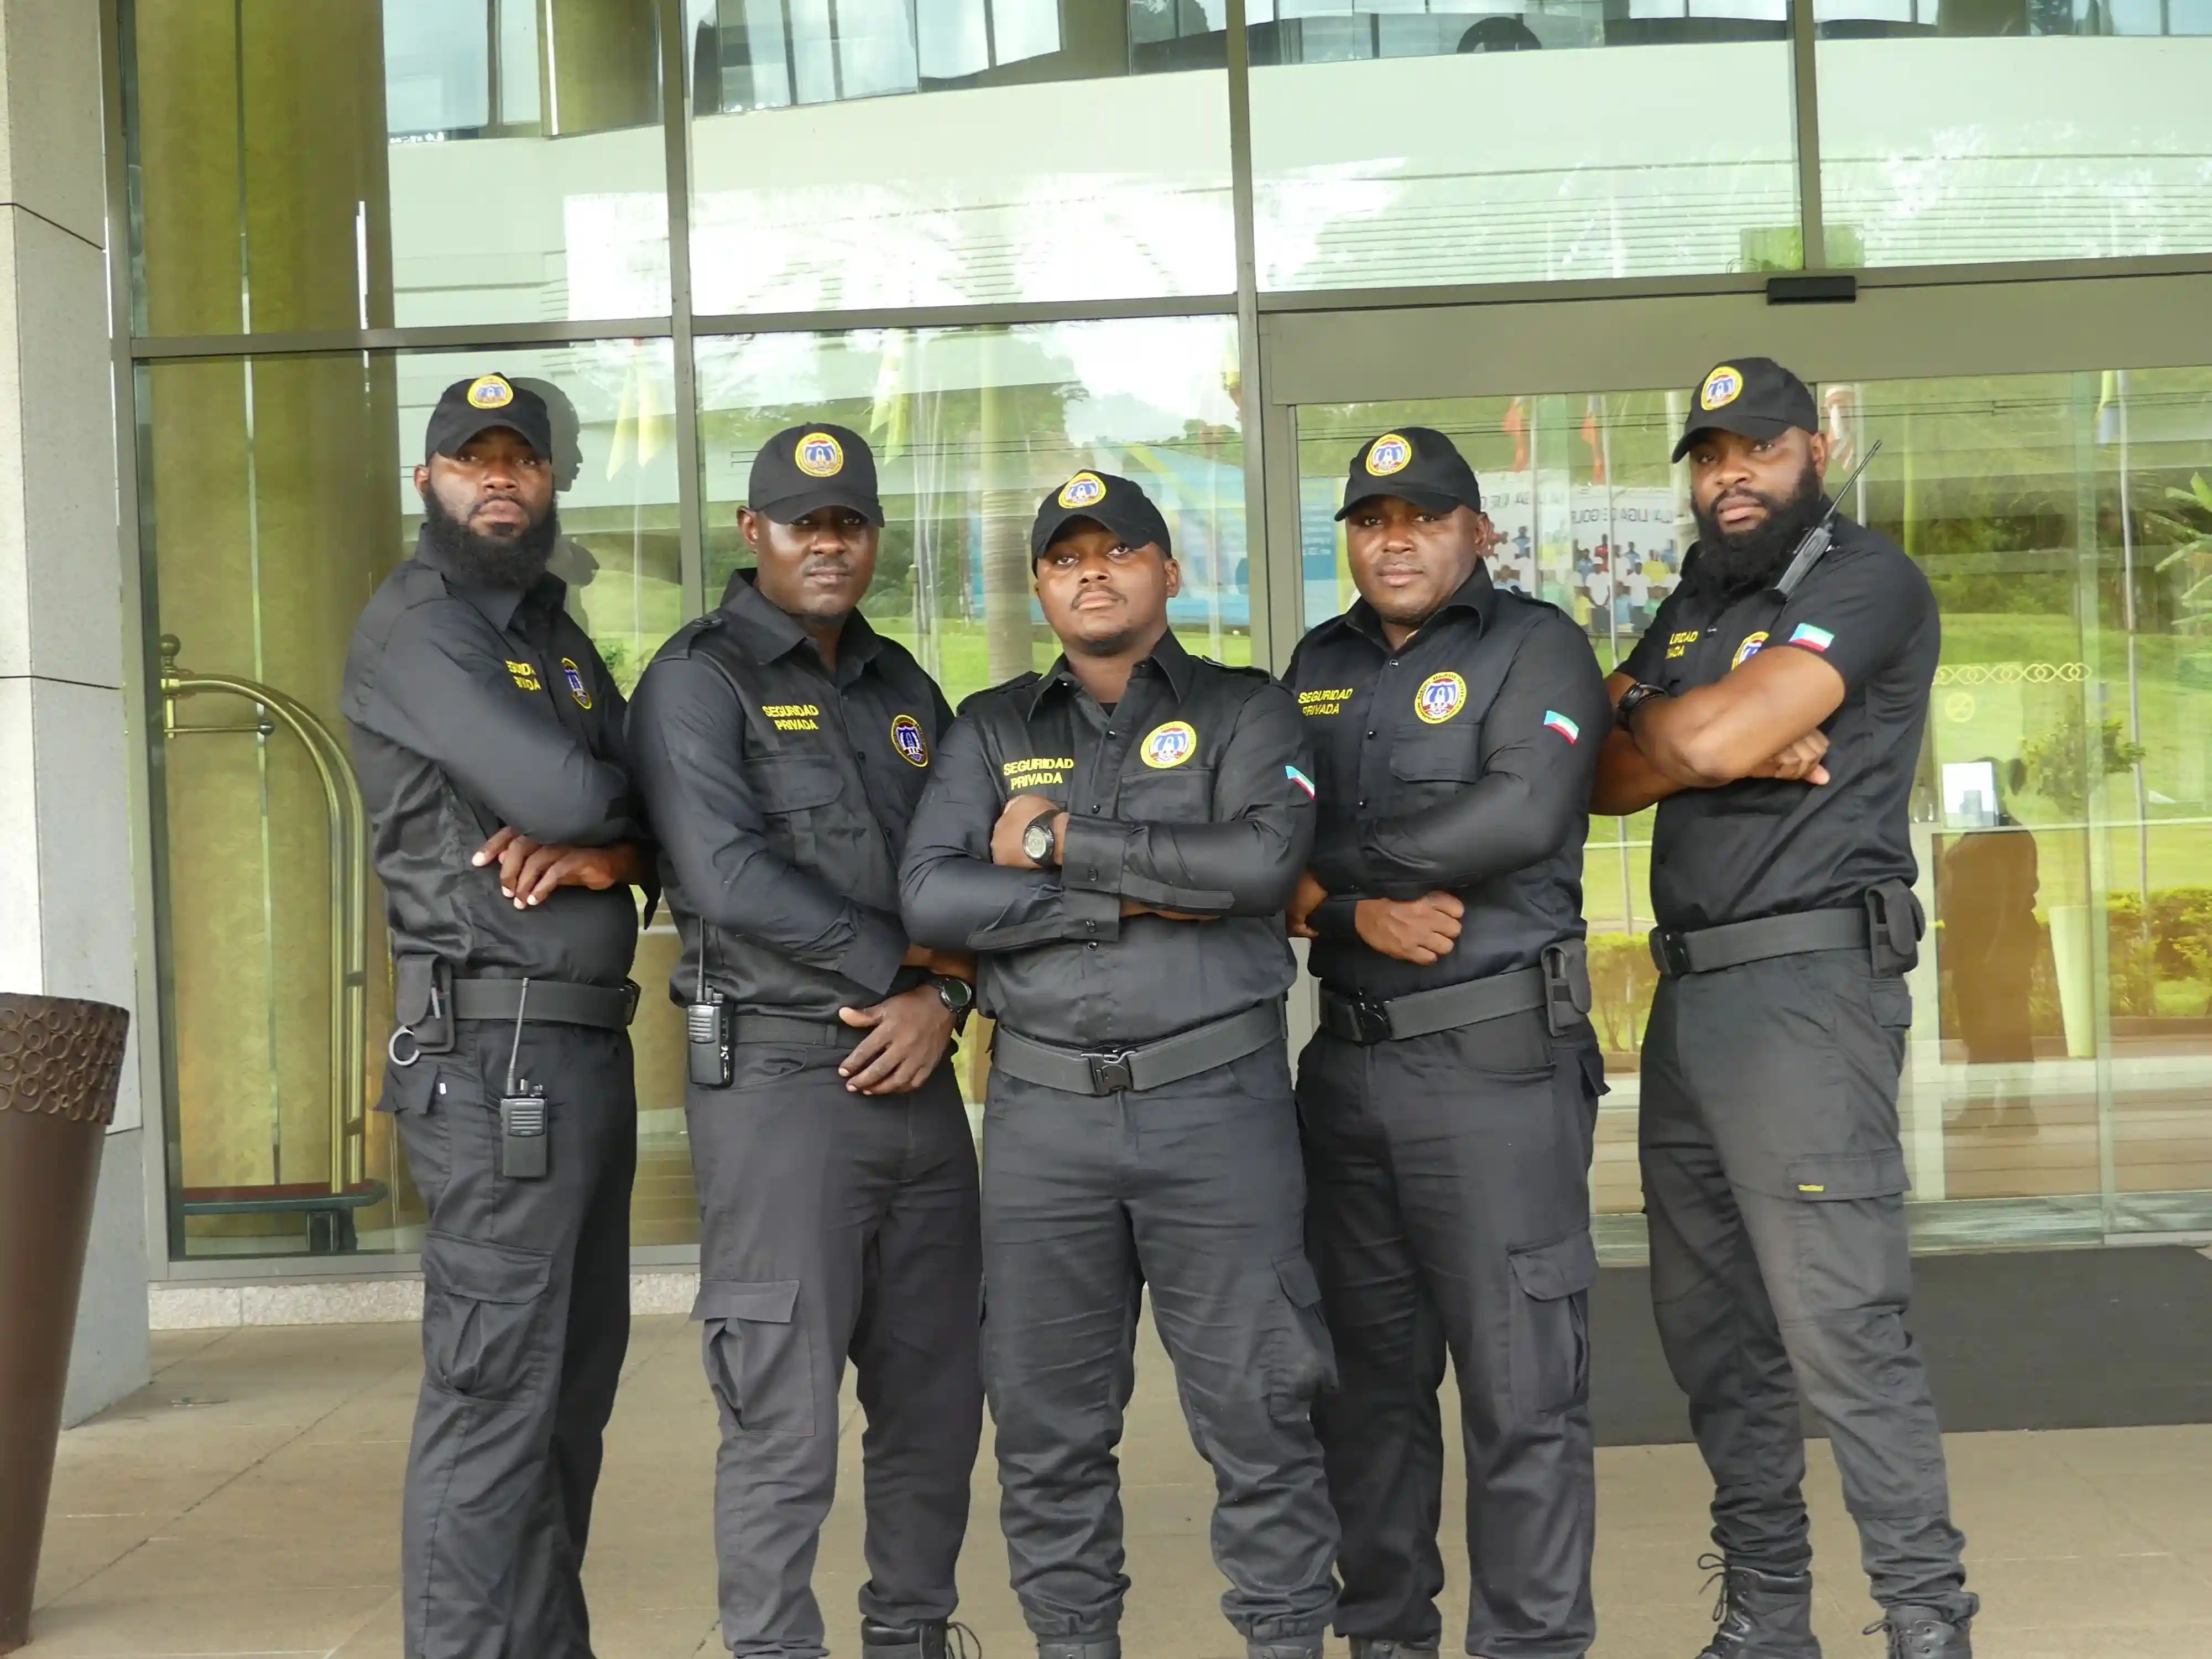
x=1169 y=745
x=1752 y=644
x=1555 y=721
x=577 y=688
x=1441 y=696
x=1388 y=454
x=1722 y=387
x=820 y=455
x=907 y=738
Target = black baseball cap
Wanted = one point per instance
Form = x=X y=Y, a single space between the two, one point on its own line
x=805 y=467
x=469 y=407
x=1416 y=463
x=1751 y=396
x=1117 y=503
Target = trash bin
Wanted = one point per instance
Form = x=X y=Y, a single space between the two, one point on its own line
x=60 y=1061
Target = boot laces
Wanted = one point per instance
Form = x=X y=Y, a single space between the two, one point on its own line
x=1922 y=1638
x=1735 y=1623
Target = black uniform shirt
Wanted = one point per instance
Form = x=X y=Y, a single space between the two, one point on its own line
x=782 y=814
x=1461 y=761
x=1764 y=847
x=474 y=708
x=1189 y=795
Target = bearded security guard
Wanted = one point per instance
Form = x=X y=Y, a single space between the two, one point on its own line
x=1449 y=1097
x=1774 y=710
x=782 y=745
x=1116 y=839
x=488 y=737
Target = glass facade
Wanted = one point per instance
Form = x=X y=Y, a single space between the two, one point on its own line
x=1101 y=206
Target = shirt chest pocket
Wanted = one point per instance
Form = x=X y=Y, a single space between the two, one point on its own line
x=1429 y=766
x=793 y=792
x=1180 y=794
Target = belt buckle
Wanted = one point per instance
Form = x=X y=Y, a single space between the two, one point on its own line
x=1674 y=951
x=1372 y=1018
x=1109 y=1071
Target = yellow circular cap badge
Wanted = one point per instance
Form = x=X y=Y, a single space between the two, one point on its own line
x=907 y=738
x=1389 y=453
x=1752 y=644
x=820 y=455
x=1083 y=490
x=1169 y=745
x=490 y=392
x=1722 y=387
x=1441 y=696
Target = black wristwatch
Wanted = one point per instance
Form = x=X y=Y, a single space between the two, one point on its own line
x=1037 y=839
x=1633 y=699
x=958 y=995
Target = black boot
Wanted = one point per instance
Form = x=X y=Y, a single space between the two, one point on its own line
x=1761 y=1615
x=1284 y=1647
x=1928 y=1633
x=1377 y=1647
x=938 y=1639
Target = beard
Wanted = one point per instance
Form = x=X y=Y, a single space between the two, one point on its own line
x=511 y=561
x=1752 y=559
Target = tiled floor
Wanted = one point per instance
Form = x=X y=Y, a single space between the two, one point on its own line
x=247 y=1503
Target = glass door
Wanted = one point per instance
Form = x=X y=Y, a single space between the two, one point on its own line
x=2059 y=1082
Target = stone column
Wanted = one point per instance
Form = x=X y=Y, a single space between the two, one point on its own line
x=67 y=926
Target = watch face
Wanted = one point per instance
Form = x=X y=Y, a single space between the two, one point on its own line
x=955 y=993
x=1036 y=842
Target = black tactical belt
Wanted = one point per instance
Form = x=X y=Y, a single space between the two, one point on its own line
x=1709 y=949
x=1154 y=1065
x=1419 y=1013
x=784 y=1027
x=550 y=1002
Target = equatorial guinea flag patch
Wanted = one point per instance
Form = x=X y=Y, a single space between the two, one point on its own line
x=1812 y=638
x=1299 y=779
x=1560 y=724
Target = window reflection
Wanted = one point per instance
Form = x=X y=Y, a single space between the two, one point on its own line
x=1054 y=156
x=508 y=164
x=1957 y=130
x=1470 y=141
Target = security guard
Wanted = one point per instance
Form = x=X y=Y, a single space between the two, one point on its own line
x=1449 y=1098
x=782 y=745
x=1775 y=712
x=1116 y=839
x=487 y=736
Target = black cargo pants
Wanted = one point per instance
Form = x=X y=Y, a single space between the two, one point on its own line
x=1775 y=1182
x=835 y=1225
x=1448 y=1215
x=525 y=1320
x=1193 y=1188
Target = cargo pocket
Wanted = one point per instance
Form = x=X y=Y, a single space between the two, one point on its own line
x=1854 y=1249
x=759 y=1360
x=1550 y=1361
x=1302 y=1360
x=483 y=1308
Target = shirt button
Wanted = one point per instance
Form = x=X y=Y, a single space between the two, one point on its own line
x=1371 y=734
x=1111 y=732
x=1091 y=875
x=1090 y=927
x=1094 y=944
x=1362 y=803
x=1097 y=806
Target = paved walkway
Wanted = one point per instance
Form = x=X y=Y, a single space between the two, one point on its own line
x=247 y=1503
